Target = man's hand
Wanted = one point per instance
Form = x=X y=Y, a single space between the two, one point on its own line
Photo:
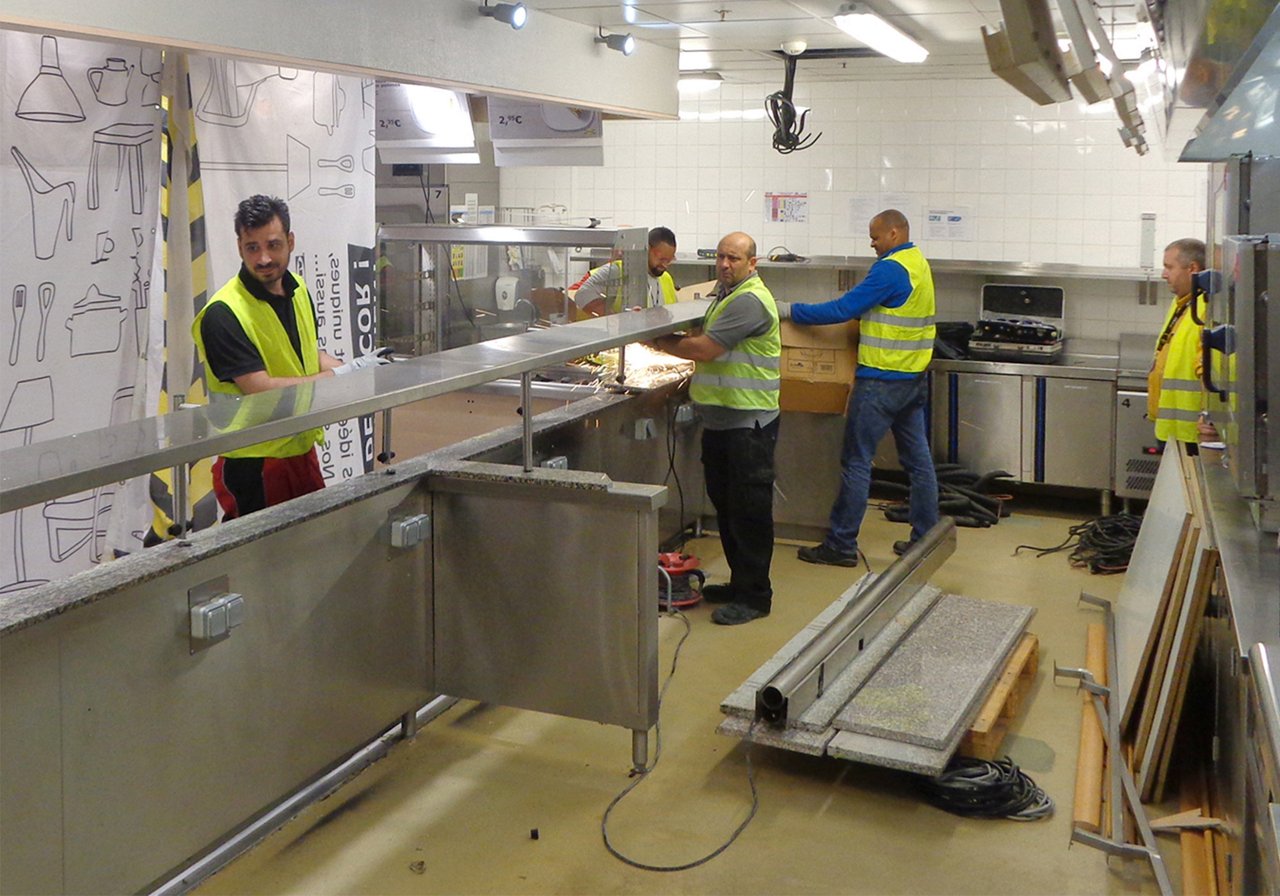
x=373 y=359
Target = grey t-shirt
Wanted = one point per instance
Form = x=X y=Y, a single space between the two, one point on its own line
x=743 y=318
x=606 y=281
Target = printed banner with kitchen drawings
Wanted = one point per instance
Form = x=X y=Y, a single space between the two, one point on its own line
x=79 y=156
x=308 y=138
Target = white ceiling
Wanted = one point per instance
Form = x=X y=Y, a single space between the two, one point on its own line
x=740 y=35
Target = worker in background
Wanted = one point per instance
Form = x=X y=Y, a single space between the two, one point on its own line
x=258 y=332
x=895 y=306
x=601 y=291
x=1175 y=400
x=738 y=356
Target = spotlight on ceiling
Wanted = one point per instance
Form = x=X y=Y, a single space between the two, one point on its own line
x=514 y=14
x=623 y=43
x=862 y=24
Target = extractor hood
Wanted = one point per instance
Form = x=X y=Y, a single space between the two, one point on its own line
x=1213 y=66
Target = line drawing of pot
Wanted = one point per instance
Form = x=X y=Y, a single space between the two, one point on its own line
x=53 y=207
x=110 y=82
x=49 y=97
x=229 y=94
x=96 y=324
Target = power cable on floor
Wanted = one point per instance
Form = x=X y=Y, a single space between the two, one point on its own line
x=640 y=775
x=1103 y=544
x=981 y=788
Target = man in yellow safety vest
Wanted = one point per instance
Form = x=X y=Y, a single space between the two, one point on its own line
x=600 y=292
x=258 y=332
x=895 y=305
x=738 y=356
x=1175 y=399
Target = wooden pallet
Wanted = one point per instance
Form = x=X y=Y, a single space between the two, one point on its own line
x=986 y=734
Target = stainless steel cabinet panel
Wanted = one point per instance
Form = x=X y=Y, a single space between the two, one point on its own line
x=1135 y=462
x=977 y=421
x=1078 y=432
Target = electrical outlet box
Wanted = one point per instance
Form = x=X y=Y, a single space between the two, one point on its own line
x=645 y=429
x=410 y=531
x=406 y=169
x=684 y=414
x=559 y=462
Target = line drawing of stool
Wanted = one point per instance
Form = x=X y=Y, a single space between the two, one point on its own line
x=51 y=204
x=128 y=140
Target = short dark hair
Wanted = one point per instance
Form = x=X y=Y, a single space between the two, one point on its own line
x=1190 y=251
x=257 y=211
x=662 y=235
x=891 y=217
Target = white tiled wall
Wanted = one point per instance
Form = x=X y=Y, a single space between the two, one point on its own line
x=1044 y=184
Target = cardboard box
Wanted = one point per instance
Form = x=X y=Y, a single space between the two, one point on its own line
x=818 y=364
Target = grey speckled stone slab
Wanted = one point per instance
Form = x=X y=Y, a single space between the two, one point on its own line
x=889 y=753
x=808 y=742
x=927 y=692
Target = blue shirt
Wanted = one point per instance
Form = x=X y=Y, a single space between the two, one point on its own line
x=885 y=284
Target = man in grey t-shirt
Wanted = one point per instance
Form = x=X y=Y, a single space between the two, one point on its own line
x=735 y=387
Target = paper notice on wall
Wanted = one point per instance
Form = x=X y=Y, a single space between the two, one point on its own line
x=865 y=206
x=948 y=224
x=786 y=208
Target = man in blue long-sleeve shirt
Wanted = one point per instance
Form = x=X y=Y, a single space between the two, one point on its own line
x=895 y=305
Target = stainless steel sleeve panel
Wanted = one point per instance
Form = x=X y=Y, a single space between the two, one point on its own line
x=164 y=750
x=545 y=602
x=57 y=467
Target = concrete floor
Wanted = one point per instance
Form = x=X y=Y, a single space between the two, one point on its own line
x=452 y=811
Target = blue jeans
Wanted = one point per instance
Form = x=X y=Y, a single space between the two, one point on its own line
x=875 y=407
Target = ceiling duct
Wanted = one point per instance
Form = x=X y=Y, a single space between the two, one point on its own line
x=1024 y=52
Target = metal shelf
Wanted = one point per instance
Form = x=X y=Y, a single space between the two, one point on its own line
x=47 y=470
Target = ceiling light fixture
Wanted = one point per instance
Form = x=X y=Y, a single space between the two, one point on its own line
x=860 y=23
x=623 y=43
x=699 y=82
x=514 y=14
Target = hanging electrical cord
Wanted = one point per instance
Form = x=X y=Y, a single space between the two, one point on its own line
x=980 y=788
x=640 y=775
x=686 y=531
x=788 y=131
x=1103 y=544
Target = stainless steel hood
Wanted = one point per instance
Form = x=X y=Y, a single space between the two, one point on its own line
x=1218 y=75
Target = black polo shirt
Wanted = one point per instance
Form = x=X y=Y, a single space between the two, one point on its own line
x=227 y=347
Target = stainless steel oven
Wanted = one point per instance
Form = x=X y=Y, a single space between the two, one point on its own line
x=1242 y=336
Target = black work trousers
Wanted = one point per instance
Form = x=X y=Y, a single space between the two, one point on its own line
x=738 y=466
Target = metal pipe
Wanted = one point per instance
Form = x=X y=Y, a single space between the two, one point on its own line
x=639 y=750
x=178 y=486
x=256 y=831
x=526 y=414
x=836 y=644
x=387 y=454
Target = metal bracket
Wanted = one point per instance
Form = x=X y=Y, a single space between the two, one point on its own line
x=1121 y=777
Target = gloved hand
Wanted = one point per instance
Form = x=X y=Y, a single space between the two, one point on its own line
x=374 y=359
x=784 y=310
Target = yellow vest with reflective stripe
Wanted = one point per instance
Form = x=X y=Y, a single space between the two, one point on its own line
x=901 y=338
x=665 y=284
x=268 y=335
x=746 y=376
x=1178 y=395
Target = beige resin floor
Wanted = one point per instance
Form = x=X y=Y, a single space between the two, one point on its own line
x=452 y=811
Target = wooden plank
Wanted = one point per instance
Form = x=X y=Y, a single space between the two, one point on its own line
x=1090 y=758
x=1165 y=635
x=1146 y=580
x=1139 y=685
x=1181 y=668
x=987 y=733
x=1145 y=773
x=1198 y=877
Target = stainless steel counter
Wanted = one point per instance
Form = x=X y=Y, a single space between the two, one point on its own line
x=1082 y=359
x=1250 y=562
x=57 y=467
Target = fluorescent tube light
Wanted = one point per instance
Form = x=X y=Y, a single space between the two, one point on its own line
x=879 y=35
x=699 y=82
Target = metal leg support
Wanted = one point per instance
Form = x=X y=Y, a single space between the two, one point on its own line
x=639 y=751
x=526 y=416
x=1121 y=777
